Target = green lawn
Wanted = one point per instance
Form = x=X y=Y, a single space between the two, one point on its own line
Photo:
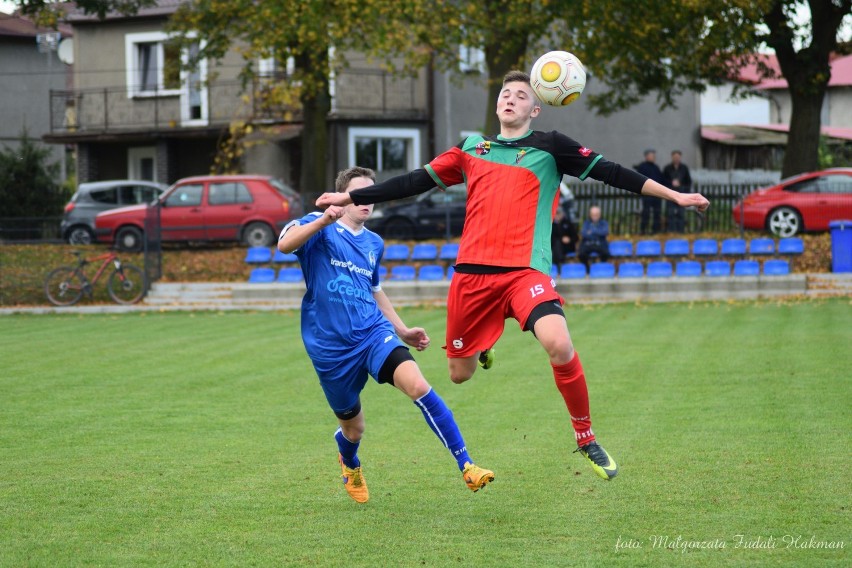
x=204 y=439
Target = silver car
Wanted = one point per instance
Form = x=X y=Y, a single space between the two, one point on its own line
x=78 y=223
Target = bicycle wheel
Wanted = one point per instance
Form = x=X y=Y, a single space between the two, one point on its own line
x=63 y=287
x=127 y=285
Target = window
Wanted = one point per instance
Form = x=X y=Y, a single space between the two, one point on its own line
x=471 y=59
x=228 y=194
x=807 y=186
x=269 y=68
x=105 y=196
x=388 y=151
x=185 y=196
x=153 y=65
x=136 y=194
x=835 y=184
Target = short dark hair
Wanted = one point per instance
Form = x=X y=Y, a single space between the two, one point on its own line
x=678 y=152
x=516 y=76
x=347 y=175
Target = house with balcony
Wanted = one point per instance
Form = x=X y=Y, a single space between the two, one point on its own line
x=131 y=113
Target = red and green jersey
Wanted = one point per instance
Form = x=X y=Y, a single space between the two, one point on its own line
x=512 y=187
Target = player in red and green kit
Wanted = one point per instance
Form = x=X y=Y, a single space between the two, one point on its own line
x=504 y=257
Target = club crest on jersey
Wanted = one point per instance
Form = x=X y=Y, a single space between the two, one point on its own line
x=372 y=258
x=483 y=148
x=520 y=156
x=585 y=152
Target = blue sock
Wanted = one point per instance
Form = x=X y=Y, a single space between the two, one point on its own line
x=440 y=419
x=348 y=450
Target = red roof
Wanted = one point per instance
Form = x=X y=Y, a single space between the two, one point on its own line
x=830 y=131
x=841 y=73
x=17 y=26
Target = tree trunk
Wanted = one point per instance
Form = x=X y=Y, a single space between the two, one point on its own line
x=802 y=150
x=316 y=104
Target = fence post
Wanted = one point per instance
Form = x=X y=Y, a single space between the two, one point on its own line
x=742 y=212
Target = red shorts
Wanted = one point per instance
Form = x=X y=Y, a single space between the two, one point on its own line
x=479 y=304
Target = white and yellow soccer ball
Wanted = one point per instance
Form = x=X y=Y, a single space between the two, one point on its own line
x=558 y=78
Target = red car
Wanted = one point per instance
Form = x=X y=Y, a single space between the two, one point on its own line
x=247 y=208
x=806 y=202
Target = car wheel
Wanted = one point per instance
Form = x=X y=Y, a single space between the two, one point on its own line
x=258 y=235
x=784 y=222
x=399 y=229
x=129 y=239
x=80 y=235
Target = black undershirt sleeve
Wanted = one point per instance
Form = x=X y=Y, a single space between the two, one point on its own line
x=617 y=175
x=399 y=187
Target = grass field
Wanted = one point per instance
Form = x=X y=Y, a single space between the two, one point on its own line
x=204 y=439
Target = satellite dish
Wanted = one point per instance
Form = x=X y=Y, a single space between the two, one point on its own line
x=65 y=51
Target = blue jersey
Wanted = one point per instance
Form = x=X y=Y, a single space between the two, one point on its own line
x=341 y=269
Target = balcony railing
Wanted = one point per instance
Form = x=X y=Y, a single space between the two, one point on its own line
x=358 y=93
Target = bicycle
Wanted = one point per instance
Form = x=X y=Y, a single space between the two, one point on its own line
x=65 y=286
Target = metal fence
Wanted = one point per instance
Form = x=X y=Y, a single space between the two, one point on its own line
x=153 y=246
x=24 y=230
x=623 y=210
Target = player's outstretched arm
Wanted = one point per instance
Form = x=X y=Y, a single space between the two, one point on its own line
x=414 y=336
x=297 y=235
x=399 y=187
x=654 y=189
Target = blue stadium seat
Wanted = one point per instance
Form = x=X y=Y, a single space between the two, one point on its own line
x=572 y=271
x=290 y=274
x=383 y=272
x=258 y=255
x=717 y=268
x=449 y=251
x=402 y=272
x=450 y=271
x=431 y=272
x=396 y=252
x=761 y=246
x=661 y=269
x=619 y=249
x=676 y=247
x=746 y=268
x=648 y=248
x=602 y=270
x=554 y=270
x=631 y=270
x=734 y=247
x=705 y=247
x=791 y=245
x=280 y=257
x=688 y=268
x=262 y=275
x=424 y=251
x=776 y=268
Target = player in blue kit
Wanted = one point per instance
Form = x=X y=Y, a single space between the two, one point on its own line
x=350 y=329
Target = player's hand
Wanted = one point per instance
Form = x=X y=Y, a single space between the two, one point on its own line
x=328 y=199
x=332 y=214
x=415 y=337
x=694 y=200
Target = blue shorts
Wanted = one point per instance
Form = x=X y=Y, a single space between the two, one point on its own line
x=342 y=380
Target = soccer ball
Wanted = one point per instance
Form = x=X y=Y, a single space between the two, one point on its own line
x=558 y=78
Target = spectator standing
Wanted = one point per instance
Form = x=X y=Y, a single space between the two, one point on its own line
x=563 y=237
x=651 y=205
x=595 y=232
x=677 y=178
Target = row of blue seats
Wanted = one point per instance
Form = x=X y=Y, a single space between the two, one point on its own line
x=570 y=271
x=707 y=247
x=264 y=255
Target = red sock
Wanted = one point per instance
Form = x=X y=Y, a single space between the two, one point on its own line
x=571 y=382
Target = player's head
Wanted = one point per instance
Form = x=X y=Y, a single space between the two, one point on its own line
x=355 y=177
x=516 y=104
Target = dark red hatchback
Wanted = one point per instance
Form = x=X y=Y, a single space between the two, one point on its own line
x=247 y=208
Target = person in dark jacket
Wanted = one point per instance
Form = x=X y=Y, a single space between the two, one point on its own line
x=595 y=232
x=677 y=178
x=563 y=237
x=651 y=206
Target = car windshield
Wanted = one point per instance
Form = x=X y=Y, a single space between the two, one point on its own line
x=284 y=189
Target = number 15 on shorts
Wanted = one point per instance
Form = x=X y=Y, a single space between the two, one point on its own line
x=537 y=290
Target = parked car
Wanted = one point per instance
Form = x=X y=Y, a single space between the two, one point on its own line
x=806 y=202
x=424 y=217
x=247 y=208
x=78 y=222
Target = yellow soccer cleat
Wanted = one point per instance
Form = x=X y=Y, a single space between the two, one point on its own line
x=354 y=482
x=476 y=477
x=486 y=358
x=601 y=461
